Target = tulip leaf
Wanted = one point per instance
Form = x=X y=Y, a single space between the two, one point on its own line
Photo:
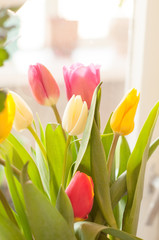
x=122 y=154
x=118 y=189
x=107 y=139
x=89 y=231
x=55 y=147
x=43 y=168
x=25 y=157
x=3 y=96
x=7 y=208
x=100 y=176
x=9 y=231
x=136 y=172
x=64 y=206
x=88 y=128
x=45 y=220
x=17 y=202
x=153 y=147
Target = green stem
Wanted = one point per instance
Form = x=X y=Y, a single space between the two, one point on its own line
x=57 y=115
x=58 y=118
x=15 y=170
x=111 y=153
x=38 y=141
x=7 y=208
x=65 y=160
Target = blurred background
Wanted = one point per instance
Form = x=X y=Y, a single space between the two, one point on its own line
x=122 y=38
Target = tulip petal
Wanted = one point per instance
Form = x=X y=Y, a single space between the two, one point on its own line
x=43 y=85
x=7 y=118
x=50 y=85
x=127 y=124
x=67 y=117
x=81 y=193
x=81 y=80
x=67 y=83
x=81 y=123
x=36 y=84
x=23 y=115
x=122 y=120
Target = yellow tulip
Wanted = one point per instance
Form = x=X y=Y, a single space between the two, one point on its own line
x=7 y=117
x=122 y=120
x=75 y=116
x=23 y=115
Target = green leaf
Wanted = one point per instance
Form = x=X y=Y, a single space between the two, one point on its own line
x=123 y=153
x=42 y=166
x=17 y=202
x=89 y=231
x=45 y=220
x=55 y=147
x=25 y=157
x=118 y=189
x=100 y=176
x=106 y=138
x=87 y=131
x=8 y=231
x=42 y=133
x=153 y=147
x=136 y=172
x=97 y=112
x=3 y=96
x=85 y=165
x=7 y=208
x=64 y=206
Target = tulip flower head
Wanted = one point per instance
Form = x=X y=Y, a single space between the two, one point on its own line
x=43 y=85
x=81 y=80
x=81 y=194
x=75 y=116
x=7 y=114
x=122 y=120
x=23 y=115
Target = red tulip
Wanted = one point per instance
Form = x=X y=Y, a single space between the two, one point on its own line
x=43 y=85
x=81 y=80
x=81 y=194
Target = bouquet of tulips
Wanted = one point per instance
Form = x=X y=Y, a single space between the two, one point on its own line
x=67 y=187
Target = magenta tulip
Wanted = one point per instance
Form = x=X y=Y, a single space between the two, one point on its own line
x=81 y=194
x=43 y=85
x=81 y=80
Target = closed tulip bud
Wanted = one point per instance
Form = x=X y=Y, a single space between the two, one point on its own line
x=81 y=80
x=7 y=114
x=75 y=116
x=43 y=85
x=23 y=115
x=81 y=194
x=122 y=120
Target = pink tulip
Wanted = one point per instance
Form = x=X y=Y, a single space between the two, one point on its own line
x=81 y=80
x=43 y=85
x=81 y=194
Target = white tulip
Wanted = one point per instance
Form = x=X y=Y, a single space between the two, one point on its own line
x=75 y=116
x=23 y=115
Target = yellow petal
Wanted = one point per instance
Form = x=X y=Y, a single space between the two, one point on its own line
x=7 y=118
x=122 y=120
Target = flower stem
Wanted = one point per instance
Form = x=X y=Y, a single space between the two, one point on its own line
x=58 y=118
x=38 y=141
x=15 y=170
x=57 y=115
x=65 y=160
x=111 y=153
